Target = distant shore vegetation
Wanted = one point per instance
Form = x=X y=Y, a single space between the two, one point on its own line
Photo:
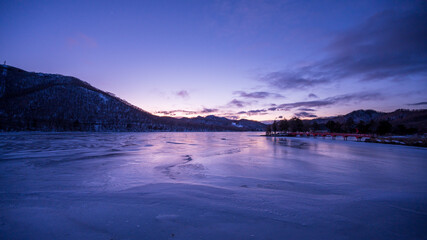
x=382 y=128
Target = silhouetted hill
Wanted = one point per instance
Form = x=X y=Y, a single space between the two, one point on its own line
x=409 y=118
x=52 y=102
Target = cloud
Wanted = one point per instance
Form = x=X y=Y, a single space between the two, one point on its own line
x=306 y=109
x=257 y=95
x=289 y=106
x=340 y=99
x=209 y=110
x=183 y=94
x=312 y=95
x=254 y=112
x=187 y=112
x=303 y=109
x=238 y=103
x=293 y=80
x=418 y=104
x=305 y=115
x=390 y=45
x=174 y=112
x=257 y=112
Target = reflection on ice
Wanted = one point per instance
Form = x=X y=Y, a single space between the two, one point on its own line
x=208 y=186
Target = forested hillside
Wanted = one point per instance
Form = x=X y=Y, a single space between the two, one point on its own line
x=52 y=102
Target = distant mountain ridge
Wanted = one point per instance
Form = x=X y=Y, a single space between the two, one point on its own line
x=52 y=102
x=410 y=118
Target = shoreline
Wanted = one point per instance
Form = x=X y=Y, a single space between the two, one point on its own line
x=392 y=140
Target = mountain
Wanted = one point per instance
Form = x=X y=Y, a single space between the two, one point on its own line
x=52 y=102
x=409 y=118
x=212 y=120
x=357 y=116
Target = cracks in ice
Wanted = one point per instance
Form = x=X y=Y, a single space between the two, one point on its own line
x=184 y=168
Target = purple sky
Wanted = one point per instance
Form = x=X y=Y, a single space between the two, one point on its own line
x=244 y=59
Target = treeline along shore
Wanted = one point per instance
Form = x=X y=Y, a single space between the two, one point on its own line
x=380 y=130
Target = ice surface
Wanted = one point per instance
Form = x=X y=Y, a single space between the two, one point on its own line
x=208 y=186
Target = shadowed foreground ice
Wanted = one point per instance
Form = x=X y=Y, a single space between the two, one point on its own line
x=208 y=186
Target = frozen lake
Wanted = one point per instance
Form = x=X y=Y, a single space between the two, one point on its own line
x=208 y=186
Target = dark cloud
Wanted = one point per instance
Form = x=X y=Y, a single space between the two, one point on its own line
x=254 y=112
x=340 y=99
x=257 y=95
x=257 y=112
x=238 y=103
x=296 y=80
x=305 y=115
x=183 y=94
x=209 y=110
x=320 y=103
x=312 y=95
x=418 y=104
x=391 y=45
x=306 y=109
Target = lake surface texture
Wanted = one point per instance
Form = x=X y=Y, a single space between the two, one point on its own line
x=208 y=186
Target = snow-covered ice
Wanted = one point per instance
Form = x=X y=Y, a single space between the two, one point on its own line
x=208 y=186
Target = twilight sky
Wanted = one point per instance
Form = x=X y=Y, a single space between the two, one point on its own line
x=243 y=59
